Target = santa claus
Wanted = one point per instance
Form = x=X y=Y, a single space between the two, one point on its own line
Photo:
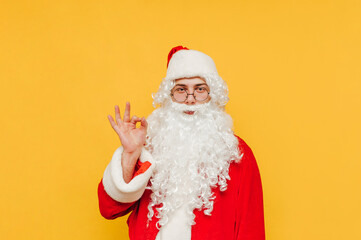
x=183 y=174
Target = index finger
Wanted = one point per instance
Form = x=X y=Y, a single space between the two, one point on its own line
x=126 y=117
x=117 y=115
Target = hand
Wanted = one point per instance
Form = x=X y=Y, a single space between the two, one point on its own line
x=132 y=138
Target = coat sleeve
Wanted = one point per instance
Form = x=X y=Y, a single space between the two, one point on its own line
x=109 y=208
x=117 y=198
x=250 y=215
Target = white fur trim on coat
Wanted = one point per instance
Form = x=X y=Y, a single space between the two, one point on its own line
x=114 y=183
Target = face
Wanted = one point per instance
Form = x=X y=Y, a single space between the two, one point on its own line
x=192 y=90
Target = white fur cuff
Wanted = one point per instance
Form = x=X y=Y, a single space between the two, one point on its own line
x=114 y=183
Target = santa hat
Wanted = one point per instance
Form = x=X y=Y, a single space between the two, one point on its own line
x=184 y=63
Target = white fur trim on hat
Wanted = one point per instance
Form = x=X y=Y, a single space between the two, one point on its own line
x=190 y=63
x=114 y=183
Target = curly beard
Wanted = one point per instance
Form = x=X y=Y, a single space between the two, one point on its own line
x=192 y=154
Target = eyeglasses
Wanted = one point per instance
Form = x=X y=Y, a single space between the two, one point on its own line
x=180 y=94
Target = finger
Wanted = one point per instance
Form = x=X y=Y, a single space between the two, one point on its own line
x=143 y=122
x=111 y=120
x=127 y=112
x=117 y=114
x=135 y=119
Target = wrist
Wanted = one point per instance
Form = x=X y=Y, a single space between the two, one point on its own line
x=131 y=156
x=129 y=159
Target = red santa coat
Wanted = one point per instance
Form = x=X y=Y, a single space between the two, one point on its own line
x=237 y=213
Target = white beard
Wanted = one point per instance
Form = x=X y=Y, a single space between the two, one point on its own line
x=192 y=154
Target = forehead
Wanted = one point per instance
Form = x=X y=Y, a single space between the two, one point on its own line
x=190 y=81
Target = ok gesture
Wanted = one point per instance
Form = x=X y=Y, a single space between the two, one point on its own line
x=132 y=138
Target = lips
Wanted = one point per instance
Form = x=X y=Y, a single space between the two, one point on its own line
x=189 y=112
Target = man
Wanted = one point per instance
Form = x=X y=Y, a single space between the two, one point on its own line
x=183 y=174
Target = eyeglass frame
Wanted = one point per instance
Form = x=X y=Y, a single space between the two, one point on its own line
x=191 y=94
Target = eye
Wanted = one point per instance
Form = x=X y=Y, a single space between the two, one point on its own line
x=200 y=89
x=179 y=90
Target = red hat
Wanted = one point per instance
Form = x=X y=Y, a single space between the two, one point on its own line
x=173 y=51
x=183 y=62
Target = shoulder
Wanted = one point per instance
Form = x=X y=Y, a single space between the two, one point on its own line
x=244 y=150
x=247 y=162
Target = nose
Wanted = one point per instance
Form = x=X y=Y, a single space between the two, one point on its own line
x=190 y=99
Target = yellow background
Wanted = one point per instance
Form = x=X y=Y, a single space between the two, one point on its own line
x=293 y=69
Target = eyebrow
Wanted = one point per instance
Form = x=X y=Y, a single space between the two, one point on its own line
x=197 y=85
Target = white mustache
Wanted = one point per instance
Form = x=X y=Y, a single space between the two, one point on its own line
x=191 y=108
